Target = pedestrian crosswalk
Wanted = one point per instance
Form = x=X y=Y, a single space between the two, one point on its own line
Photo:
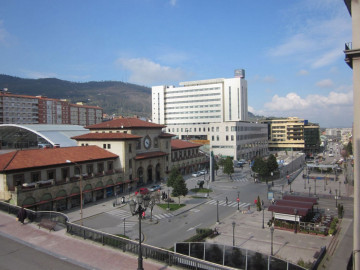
x=123 y=215
x=229 y=204
x=239 y=179
x=162 y=216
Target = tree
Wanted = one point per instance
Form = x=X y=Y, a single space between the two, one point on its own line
x=221 y=162
x=272 y=163
x=174 y=173
x=228 y=166
x=258 y=203
x=260 y=167
x=216 y=166
x=179 y=187
x=349 y=148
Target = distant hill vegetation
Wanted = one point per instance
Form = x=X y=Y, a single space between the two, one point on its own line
x=114 y=97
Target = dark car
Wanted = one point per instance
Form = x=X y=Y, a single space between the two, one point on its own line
x=155 y=188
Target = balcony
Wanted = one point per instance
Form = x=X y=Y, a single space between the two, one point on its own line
x=350 y=53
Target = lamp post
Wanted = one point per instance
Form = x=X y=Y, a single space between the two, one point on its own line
x=81 y=191
x=304 y=183
x=168 y=199
x=272 y=237
x=315 y=186
x=339 y=188
x=295 y=227
x=324 y=184
x=124 y=228
x=309 y=190
x=151 y=205
x=238 y=201
x=143 y=203
x=217 y=212
x=336 y=198
x=262 y=204
x=233 y=225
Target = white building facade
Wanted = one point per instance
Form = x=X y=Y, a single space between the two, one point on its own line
x=203 y=110
x=188 y=110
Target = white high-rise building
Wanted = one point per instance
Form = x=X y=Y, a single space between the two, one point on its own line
x=195 y=108
x=188 y=110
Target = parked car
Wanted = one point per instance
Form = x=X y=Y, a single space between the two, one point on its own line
x=196 y=174
x=202 y=172
x=142 y=191
x=155 y=188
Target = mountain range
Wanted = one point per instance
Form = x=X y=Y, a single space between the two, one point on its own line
x=115 y=97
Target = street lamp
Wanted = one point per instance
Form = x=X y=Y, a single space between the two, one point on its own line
x=168 y=199
x=262 y=204
x=124 y=228
x=217 y=212
x=315 y=185
x=151 y=205
x=233 y=225
x=238 y=201
x=272 y=237
x=336 y=198
x=295 y=227
x=339 y=188
x=81 y=191
x=143 y=203
x=309 y=190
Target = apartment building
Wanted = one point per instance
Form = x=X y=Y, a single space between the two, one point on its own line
x=23 y=109
x=239 y=140
x=293 y=133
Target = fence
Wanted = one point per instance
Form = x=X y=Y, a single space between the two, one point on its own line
x=234 y=257
x=125 y=245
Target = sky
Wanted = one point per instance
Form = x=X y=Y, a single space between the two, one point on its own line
x=292 y=51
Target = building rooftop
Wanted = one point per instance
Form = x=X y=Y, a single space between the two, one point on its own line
x=35 y=158
x=125 y=123
x=106 y=137
x=179 y=144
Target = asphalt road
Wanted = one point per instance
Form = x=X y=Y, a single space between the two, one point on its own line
x=15 y=255
x=170 y=229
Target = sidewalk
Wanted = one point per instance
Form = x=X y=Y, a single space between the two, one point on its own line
x=84 y=253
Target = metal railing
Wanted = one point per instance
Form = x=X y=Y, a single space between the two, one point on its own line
x=117 y=242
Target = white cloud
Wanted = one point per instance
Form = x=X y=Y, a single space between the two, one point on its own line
x=325 y=83
x=147 y=72
x=328 y=58
x=303 y=72
x=3 y=33
x=316 y=33
x=173 y=2
x=39 y=74
x=251 y=109
x=332 y=110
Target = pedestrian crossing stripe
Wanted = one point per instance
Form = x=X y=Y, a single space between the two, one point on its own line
x=230 y=204
x=119 y=213
x=161 y=216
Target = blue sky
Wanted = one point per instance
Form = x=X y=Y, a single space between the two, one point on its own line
x=292 y=51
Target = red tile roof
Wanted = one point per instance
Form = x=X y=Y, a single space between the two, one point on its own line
x=166 y=135
x=25 y=159
x=179 y=144
x=150 y=155
x=106 y=137
x=125 y=123
x=289 y=210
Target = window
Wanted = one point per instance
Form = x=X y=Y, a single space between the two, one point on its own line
x=109 y=146
x=167 y=145
x=100 y=167
x=130 y=150
x=138 y=145
x=194 y=129
x=19 y=179
x=167 y=158
x=51 y=174
x=64 y=173
x=232 y=137
x=156 y=142
x=227 y=128
x=212 y=137
x=227 y=137
x=89 y=169
x=212 y=129
x=217 y=129
x=217 y=137
x=130 y=163
x=104 y=145
x=110 y=165
x=35 y=176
